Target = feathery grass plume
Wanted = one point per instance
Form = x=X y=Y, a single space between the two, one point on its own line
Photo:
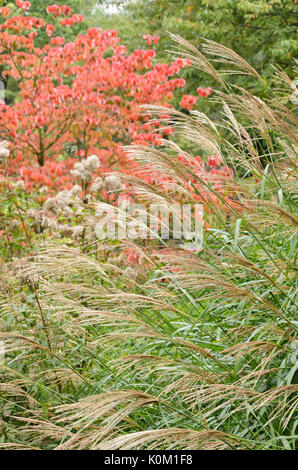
x=173 y=438
x=197 y=59
x=194 y=349
x=225 y=55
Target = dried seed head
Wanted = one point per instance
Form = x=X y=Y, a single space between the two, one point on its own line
x=4 y=151
x=113 y=183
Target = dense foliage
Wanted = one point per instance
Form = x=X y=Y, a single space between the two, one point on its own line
x=75 y=98
x=264 y=31
x=146 y=342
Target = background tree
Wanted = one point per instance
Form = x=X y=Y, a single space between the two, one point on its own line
x=76 y=98
x=261 y=31
x=38 y=9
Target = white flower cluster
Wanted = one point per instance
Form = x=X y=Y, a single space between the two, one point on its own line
x=112 y=183
x=67 y=213
x=83 y=170
x=97 y=185
x=4 y=151
x=66 y=203
x=42 y=221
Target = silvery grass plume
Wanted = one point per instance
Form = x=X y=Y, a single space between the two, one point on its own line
x=197 y=351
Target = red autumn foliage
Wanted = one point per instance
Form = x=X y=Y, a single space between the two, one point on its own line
x=82 y=98
x=204 y=92
x=77 y=98
x=188 y=101
x=151 y=39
